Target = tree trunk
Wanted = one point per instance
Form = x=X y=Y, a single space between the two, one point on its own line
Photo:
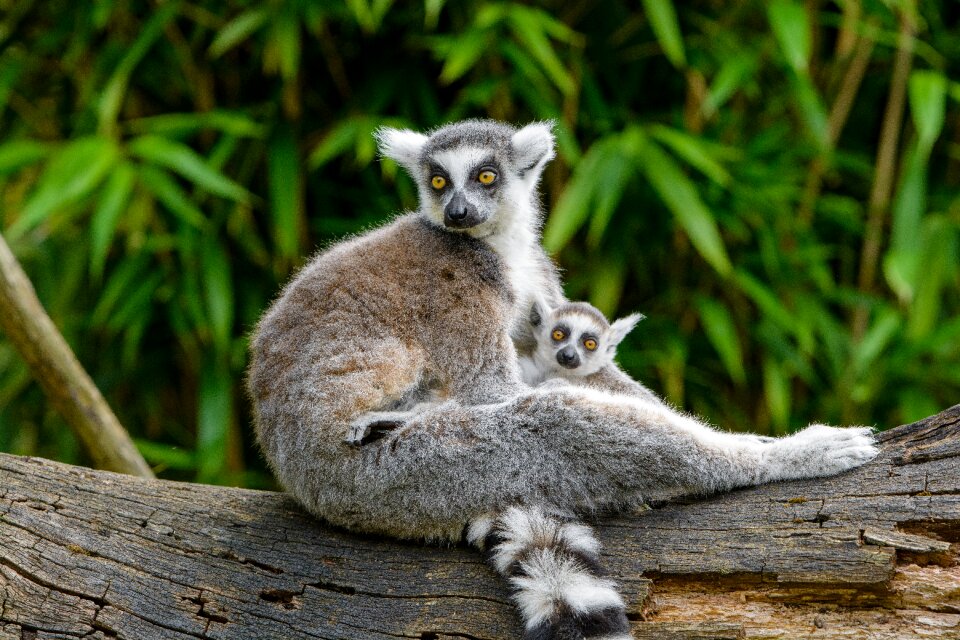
x=864 y=555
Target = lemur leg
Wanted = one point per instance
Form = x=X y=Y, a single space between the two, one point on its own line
x=582 y=449
x=552 y=563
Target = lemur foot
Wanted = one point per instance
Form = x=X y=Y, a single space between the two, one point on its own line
x=820 y=450
x=370 y=429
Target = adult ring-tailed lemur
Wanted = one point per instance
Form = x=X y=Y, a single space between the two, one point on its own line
x=388 y=396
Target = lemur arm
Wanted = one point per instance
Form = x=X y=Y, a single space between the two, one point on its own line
x=613 y=379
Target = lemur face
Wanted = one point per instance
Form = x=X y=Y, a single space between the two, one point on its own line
x=466 y=185
x=575 y=339
x=472 y=174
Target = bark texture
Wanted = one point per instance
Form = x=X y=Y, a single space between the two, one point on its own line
x=869 y=554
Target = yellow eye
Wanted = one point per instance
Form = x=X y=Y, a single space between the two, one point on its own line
x=438 y=182
x=487 y=177
x=558 y=335
x=590 y=344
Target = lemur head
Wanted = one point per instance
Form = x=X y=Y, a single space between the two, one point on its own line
x=575 y=339
x=473 y=176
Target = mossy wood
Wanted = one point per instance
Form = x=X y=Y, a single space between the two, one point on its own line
x=872 y=553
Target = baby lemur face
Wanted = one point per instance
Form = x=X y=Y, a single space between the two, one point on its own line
x=472 y=173
x=575 y=339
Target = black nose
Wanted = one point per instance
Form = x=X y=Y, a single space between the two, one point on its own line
x=456 y=210
x=460 y=214
x=567 y=357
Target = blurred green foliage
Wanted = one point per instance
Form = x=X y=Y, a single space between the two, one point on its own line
x=743 y=173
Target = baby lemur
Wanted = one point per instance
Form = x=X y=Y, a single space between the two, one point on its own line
x=576 y=343
x=424 y=318
x=573 y=341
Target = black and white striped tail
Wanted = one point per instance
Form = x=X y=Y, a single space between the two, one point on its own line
x=554 y=571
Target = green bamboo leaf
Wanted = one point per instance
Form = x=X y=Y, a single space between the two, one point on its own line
x=693 y=150
x=10 y=72
x=735 y=71
x=71 y=175
x=218 y=291
x=166 y=190
x=776 y=387
x=878 y=336
x=527 y=26
x=181 y=159
x=17 y=154
x=237 y=30
x=766 y=301
x=177 y=124
x=791 y=28
x=431 y=11
x=112 y=97
x=606 y=287
x=940 y=266
x=720 y=329
x=285 y=38
x=119 y=284
x=812 y=110
x=666 y=27
x=680 y=195
x=928 y=106
x=611 y=179
x=573 y=207
x=369 y=16
x=214 y=418
x=902 y=262
x=136 y=303
x=103 y=224
x=164 y=456
x=286 y=192
x=464 y=55
x=338 y=141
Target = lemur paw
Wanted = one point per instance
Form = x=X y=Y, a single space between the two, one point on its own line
x=821 y=450
x=369 y=429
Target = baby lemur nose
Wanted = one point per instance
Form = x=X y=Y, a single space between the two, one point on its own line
x=459 y=212
x=567 y=357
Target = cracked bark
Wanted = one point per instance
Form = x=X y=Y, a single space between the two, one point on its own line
x=872 y=553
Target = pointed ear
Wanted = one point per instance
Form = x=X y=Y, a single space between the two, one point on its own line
x=402 y=145
x=533 y=146
x=620 y=328
x=538 y=311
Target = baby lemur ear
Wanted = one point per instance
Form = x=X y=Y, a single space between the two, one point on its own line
x=620 y=328
x=402 y=145
x=537 y=311
x=533 y=146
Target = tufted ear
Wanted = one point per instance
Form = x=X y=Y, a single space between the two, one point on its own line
x=533 y=146
x=402 y=145
x=620 y=328
x=538 y=311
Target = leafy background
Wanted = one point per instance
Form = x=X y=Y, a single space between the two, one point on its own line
x=775 y=184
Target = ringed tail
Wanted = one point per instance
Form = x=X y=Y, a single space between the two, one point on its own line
x=553 y=567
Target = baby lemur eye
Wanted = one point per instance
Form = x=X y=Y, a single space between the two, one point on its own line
x=558 y=335
x=590 y=344
x=438 y=182
x=487 y=176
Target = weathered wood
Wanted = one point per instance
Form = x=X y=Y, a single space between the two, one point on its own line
x=870 y=554
x=64 y=380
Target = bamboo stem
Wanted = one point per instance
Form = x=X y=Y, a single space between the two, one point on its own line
x=56 y=368
x=883 y=177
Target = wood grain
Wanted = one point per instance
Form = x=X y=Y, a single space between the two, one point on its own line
x=869 y=554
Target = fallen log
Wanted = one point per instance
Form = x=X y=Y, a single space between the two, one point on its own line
x=869 y=554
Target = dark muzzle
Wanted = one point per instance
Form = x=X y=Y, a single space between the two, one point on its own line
x=460 y=214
